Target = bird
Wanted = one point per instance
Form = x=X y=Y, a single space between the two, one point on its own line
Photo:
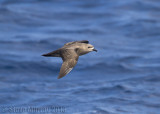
x=70 y=53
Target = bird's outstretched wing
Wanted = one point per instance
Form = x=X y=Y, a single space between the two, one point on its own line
x=82 y=41
x=70 y=59
x=55 y=53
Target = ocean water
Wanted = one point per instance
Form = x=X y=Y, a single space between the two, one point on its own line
x=123 y=77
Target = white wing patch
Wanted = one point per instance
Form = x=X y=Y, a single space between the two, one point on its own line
x=68 y=70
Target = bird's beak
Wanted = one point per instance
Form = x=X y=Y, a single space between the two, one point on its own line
x=94 y=50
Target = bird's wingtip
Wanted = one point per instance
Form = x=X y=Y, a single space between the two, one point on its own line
x=59 y=77
x=46 y=55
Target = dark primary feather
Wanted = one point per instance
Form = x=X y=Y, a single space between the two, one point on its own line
x=82 y=41
x=55 y=53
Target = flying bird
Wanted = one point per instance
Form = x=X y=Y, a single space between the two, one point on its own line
x=70 y=53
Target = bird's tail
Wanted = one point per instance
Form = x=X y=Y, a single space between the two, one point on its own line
x=52 y=54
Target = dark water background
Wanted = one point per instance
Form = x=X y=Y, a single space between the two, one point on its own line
x=122 y=78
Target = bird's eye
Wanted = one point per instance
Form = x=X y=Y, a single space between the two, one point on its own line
x=89 y=47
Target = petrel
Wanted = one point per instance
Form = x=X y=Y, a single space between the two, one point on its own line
x=70 y=53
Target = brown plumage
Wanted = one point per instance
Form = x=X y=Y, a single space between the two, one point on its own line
x=70 y=53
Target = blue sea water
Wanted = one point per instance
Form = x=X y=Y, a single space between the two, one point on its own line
x=123 y=77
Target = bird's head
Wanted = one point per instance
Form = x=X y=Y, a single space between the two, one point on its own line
x=89 y=48
x=86 y=48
